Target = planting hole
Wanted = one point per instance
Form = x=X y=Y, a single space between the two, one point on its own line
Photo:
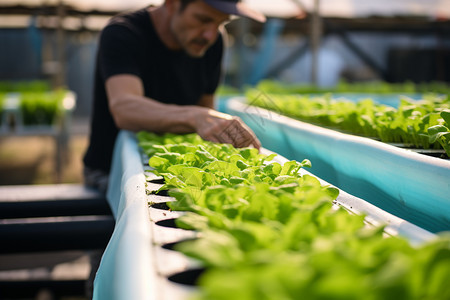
x=170 y=223
x=188 y=277
x=164 y=193
x=162 y=205
x=157 y=180
x=171 y=246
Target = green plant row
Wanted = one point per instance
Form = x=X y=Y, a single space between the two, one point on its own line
x=408 y=124
x=41 y=108
x=24 y=86
x=38 y=107
x=268 y=232
x=371 y=87
x=2 y=101
x=39 y=104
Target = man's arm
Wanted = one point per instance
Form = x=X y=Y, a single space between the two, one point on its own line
x=131 y=110
x=207 y=100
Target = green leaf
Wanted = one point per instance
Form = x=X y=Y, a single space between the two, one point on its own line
x=172 y=157
x=306 y=163
x=446 y=116
x=222 y=249
x=236 y=180
x=204 y=156
x=272 y=169
x=222 y=168
x=269 y=157
x=248 y=153
x=289 y=167
x=158 y=162
x=437 y=132
x=241 y=165
x=333 y=192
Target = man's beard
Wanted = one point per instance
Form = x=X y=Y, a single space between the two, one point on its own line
x=201 y=43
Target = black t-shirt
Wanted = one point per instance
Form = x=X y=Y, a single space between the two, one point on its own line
x=129 y=44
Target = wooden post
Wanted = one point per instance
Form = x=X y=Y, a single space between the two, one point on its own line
x=60 y=79
x=316 y=33
x=60 y=82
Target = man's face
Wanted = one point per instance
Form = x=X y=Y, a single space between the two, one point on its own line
x=196 y=27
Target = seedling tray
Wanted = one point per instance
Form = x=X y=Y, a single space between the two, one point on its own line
x=407 y=184
x=138 y=262
x=12 y=119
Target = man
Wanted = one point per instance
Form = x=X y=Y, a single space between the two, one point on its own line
x=157 y=70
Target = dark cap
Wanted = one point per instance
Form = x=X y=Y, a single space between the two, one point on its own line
x=236 y=7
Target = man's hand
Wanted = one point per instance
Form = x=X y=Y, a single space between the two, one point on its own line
x=133 y=111
x=223 y=128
